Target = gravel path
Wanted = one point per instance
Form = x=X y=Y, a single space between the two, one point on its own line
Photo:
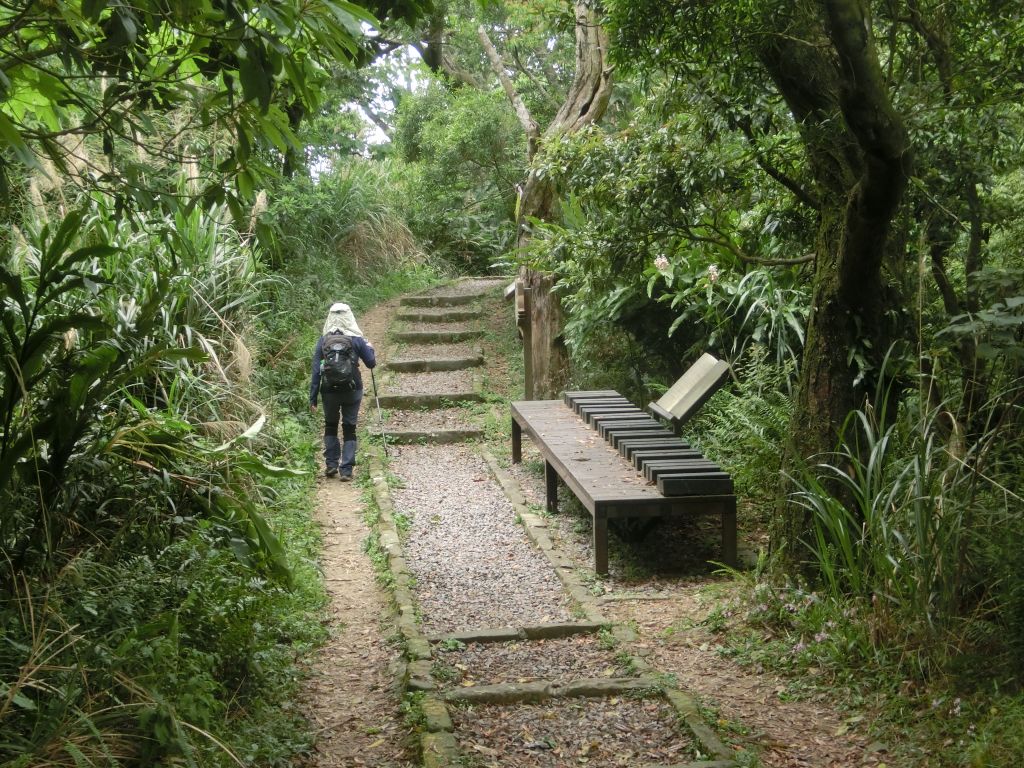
x=429 y=383
x=556 y=660
x=437 y=351
x=473 y=564
x=599 y=733
x=439 y=418
x=468 y=286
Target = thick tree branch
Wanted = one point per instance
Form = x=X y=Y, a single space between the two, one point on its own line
x=592 y=84
x=881 y=137
x=458 y=74
x=542 y=89
x=768 y=167
x=377 y=120
x=525 y=118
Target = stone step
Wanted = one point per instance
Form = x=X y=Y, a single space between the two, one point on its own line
x=543 y=690
x=436 y=337
x=429 y=400
x=439 y=364
x=433 y=436
x=447 y=316
x=534 y=632
x=451 y=300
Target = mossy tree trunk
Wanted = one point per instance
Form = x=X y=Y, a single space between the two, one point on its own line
x=584 y=104
x=824 y=62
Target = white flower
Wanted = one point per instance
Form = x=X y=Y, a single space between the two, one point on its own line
x=713 y=273
x=661 y=263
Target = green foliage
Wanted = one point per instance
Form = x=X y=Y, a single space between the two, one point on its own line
x=110 y=71
x=995 y=329
x=345 y=216
x=464 y=154
x=743 y=426
x=903 y=526
x=141 y=625
x=691 y=283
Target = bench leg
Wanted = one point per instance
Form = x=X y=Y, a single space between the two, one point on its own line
x=600 y=543
x=551 y=487
x=729 y=533
x=517 y=442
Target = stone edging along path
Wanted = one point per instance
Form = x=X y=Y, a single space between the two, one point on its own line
x=438 y=743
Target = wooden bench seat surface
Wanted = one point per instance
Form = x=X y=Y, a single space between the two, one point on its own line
x=607 y=484
x=594 y=470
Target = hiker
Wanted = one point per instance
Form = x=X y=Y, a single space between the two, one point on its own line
x=336 y=377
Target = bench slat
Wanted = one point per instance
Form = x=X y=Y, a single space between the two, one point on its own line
x=610 y=426
x=695 y=485
x=629 y=446
x=588 y=412
x=654 y=469
x=580 y=409
x=642 y=458
x=596 y=419
x=660 y=432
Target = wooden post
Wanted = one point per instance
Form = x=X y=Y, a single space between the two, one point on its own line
x=600 y=541
x=729 y=555
x=528 y=341
x=551 y=487
x=517 y=442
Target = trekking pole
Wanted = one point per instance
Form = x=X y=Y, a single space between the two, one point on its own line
x=383 y=437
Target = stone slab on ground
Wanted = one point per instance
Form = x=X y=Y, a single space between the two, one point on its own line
x=434 y=334
x=598 y=733
x=428 y=364
x=426 y=420
x=433 y=437
x=438 y=315
x=433 y=382
x=439 y=300
x=557 y=661
x=429 y=399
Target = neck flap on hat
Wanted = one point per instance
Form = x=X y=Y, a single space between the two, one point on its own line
x=341 y=320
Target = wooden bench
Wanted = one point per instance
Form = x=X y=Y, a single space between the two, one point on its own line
x=634 y=470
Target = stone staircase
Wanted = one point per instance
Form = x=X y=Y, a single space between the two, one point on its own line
x=437 y=364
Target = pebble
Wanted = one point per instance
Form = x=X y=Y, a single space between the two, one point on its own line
x=473 y=564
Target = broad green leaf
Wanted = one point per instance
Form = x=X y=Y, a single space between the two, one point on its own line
x=11 y=137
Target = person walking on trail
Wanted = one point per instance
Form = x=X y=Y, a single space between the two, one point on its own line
x=336 y=379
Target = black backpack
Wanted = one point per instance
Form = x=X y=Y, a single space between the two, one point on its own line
x=339 y=364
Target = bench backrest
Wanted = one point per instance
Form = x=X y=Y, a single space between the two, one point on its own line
x=691 y=390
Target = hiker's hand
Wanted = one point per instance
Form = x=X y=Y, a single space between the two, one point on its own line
x=313 y=407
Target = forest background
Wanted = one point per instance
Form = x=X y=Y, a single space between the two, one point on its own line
x=825 y=194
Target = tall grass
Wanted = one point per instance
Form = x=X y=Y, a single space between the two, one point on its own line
x=743 y=425
x=919 y=531
x=143 y=591
x=347 y=217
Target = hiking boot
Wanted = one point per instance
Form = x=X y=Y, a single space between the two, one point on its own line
x=331 y=471
x=346 y=475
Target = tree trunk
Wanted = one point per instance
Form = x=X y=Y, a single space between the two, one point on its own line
x=860 y=156
x=584 y=104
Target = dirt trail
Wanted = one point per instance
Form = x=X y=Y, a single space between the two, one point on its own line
x=353 y=695
x=352 y=686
